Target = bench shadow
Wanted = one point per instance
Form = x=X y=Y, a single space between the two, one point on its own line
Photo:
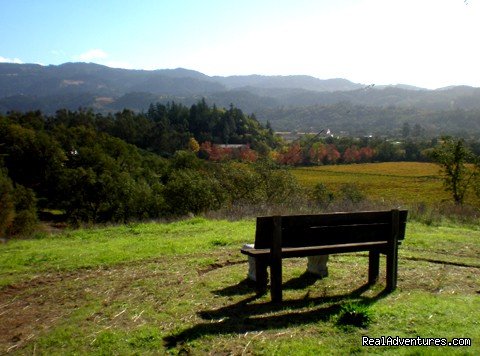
x=306 y=279
x=246 y=316
x=242 y=288
x=246 y=286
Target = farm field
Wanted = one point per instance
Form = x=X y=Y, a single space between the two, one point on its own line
x=404 y=182
x=180 y=288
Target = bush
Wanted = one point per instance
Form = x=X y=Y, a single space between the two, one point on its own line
x=26 y=218
x=189 y=191
x=241 y=183
x=280 y=185
x=322 y=195
x=18 y=211
x=7 y=207
x=111 y=195
x=185 y=160
x=351 y=192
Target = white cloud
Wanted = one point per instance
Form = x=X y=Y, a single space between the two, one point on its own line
x=92 y=54
x=10 y=60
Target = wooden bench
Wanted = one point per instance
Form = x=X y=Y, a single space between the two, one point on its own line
x=278 y=237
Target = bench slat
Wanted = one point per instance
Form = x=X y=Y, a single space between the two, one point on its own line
x=332 y=235
x=342 y=218
x=316 y=250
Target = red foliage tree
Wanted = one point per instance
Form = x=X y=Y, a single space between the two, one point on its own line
x=247 y=154
x=214 y=152
x=317 y=154
x=351 y=155
x=332 y=154
x=292 y=156
x=366 y=154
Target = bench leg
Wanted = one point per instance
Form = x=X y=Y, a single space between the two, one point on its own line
x=276 y=280
x=373 y=267
x=276 y=261
x=392 y=267
x=392 y=254
x=261 y=275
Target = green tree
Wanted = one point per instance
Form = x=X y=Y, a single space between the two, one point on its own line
x=241 y=182
x=18 y=210
x=191 y=191
x=26 y=219
x=7 y=207
x=281 y=186
x=452 y=156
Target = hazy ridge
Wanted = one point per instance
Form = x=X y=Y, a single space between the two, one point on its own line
x=26 y=87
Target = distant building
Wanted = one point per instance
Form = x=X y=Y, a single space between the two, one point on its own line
x=237 y=146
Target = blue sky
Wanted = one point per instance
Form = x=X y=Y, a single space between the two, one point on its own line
x=427 y=43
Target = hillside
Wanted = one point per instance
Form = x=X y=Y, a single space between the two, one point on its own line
x=346 y=118
x=73 y=85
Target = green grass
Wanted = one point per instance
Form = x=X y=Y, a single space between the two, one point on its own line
x=180 y=288
x=102 y=247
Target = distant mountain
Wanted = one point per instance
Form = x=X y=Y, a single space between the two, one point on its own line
x=398 y=86
x=287 y=82
x=73 y=85
x=41 y=81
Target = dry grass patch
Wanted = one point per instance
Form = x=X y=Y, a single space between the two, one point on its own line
x=406 y=182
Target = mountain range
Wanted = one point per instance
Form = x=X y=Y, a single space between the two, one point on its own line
x=73 y=85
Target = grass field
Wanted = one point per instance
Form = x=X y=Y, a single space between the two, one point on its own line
x=180 y=288
x=406 y=182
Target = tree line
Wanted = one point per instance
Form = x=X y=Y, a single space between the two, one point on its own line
x=315 y=150
x=383 y=121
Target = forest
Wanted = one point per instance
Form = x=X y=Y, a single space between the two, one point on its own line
x=128 y=166
x=173 y=160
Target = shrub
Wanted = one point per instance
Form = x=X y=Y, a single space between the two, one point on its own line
x=351 y=192
x=280 y=185
x=7 y=207
x=354 y=314
x=241 y=183
x=190 y=191
x=26 y=219
x=185 y=160
x=322 y=195
x=18 y=211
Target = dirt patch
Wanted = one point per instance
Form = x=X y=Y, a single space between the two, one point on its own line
x=27 y=311
x=30 y=308
x=217 y=265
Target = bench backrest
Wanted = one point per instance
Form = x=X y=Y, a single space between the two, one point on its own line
x=329 y=229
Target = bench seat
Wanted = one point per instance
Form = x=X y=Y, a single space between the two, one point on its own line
x=288 y=252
